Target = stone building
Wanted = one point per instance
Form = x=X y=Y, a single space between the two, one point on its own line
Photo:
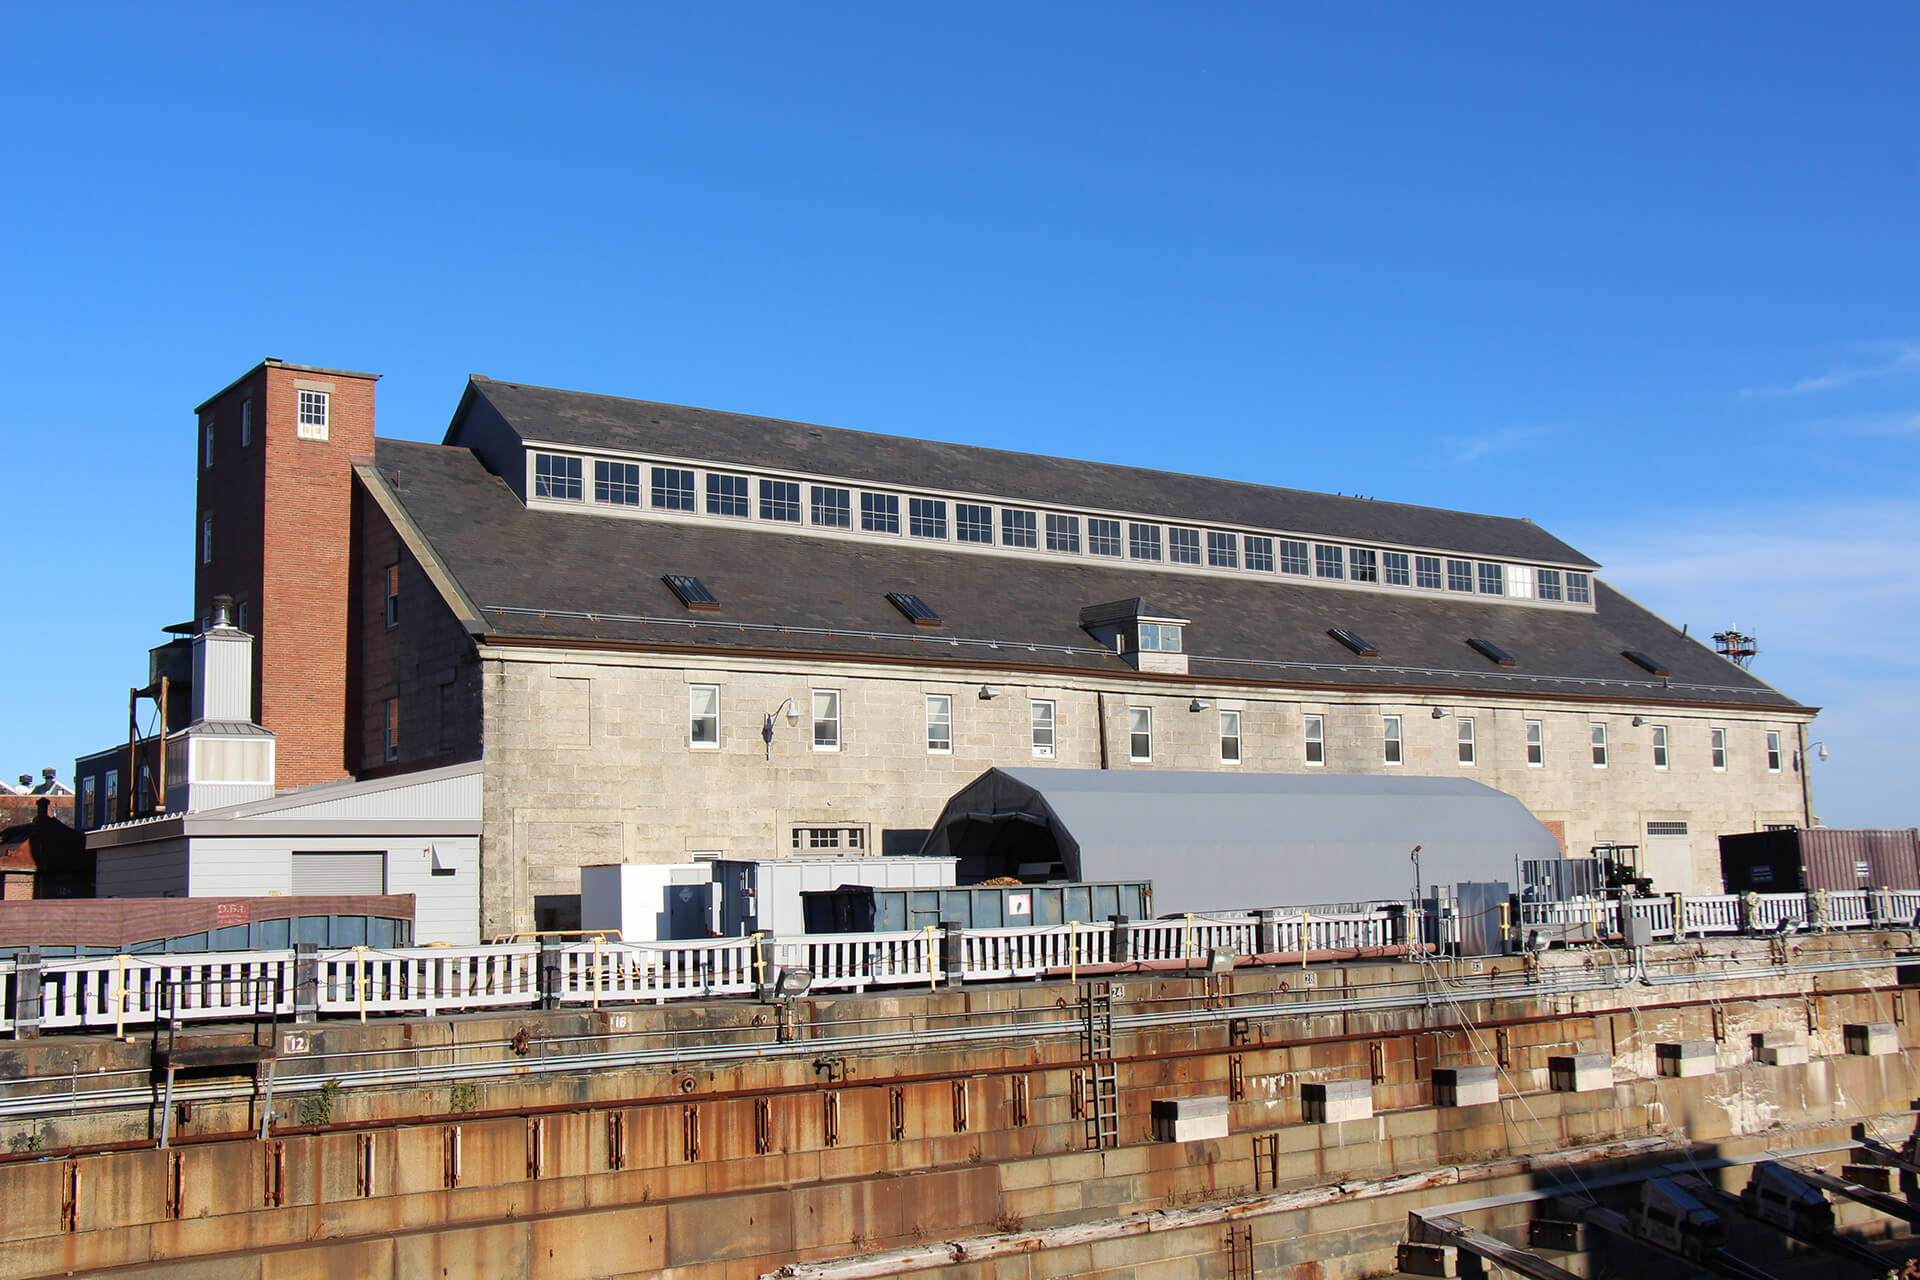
x=670 y=631
x=666 y=631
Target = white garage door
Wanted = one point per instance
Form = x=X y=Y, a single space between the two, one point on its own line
x=339 y=874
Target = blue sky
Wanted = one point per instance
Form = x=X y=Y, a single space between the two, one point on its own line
x=1646 y=274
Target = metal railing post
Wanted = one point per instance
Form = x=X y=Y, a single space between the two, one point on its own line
x=550 y=973
x=26 y=995
x=1266 y=931
x=953 y=955
x=306 y=981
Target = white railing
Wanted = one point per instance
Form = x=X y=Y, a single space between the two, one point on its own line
x=426 y=980
x=127 y=991
x=136 y=990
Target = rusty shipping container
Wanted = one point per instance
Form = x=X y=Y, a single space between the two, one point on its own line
x=1797 y=861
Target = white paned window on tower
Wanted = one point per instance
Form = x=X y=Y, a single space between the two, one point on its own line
x=1230 y=737
x=1393 y=749
x=1466 y=739
x=312 y=421
x=1314 y=733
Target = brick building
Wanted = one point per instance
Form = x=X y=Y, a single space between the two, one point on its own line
x=666 y=631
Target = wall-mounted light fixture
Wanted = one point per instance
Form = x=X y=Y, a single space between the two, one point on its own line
x=1819 y=750
x=1198 y=704
x=988 y=692
x=766 y=729
x=1638 y=721
x=1439 y=713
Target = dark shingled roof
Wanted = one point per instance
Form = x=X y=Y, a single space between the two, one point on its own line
x=583 y=421
x=539 y=574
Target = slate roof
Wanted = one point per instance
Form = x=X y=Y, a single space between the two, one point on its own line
x=555 y=575
x=583 y=421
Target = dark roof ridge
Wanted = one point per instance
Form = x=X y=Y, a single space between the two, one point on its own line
x=1010 y=456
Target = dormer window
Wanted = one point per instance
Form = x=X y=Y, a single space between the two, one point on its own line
x=1146 y=638
x=1158 y=637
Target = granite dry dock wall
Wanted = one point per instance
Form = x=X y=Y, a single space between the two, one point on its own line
x=732 y=1168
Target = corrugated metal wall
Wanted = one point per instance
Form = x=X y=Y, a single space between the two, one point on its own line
x=1820 y=858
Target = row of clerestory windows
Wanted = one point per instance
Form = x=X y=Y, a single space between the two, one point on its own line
x=717 y=492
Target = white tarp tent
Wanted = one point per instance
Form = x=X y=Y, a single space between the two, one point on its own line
x=1231 y=841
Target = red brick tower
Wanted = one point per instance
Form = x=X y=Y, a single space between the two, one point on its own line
x=274 y=454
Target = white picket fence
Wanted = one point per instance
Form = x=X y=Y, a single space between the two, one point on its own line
x=119 y=992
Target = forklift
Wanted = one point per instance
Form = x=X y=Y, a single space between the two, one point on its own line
x=1620 y=865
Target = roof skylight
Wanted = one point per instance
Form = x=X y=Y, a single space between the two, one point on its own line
x=1641 y=660
x=1353 y=642
x=1490 y=651
x=916 y=609
x=693 y=593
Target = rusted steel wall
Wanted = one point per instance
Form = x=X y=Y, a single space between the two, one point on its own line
x=731 y=1170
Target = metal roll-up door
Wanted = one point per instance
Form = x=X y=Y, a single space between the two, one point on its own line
x=339 y=874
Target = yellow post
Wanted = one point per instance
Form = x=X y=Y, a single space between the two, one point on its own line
x=933 y=960
x=1505 y=925
x=1188 y=955
x=759 y=960
x=119 y=997
x=360 y=961
x=596 y=971
x=1303 y=939
x=1073 y=951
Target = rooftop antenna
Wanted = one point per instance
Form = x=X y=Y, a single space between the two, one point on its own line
x=1736 y=647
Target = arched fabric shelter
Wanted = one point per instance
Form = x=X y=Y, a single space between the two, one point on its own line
x=1227 y=841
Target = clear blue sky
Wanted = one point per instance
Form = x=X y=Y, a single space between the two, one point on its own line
x=1645 y=273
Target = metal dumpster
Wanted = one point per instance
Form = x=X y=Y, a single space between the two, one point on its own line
x=870 y=909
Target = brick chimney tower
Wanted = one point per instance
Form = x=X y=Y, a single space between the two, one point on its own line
x=274 y=454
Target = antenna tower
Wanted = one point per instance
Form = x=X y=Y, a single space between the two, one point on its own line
x=1736 y=647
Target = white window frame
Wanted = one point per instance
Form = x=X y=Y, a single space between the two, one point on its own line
x=1717 y=749
x=829 y=719
x=1662 y=756
x=1230 y=733
x=1313 y=740
x=1140 y=734
x=313 y=414
x=1597 y=740
x=696 y=717
x=1393 y=745
x=392 y=603
x=1774 y=754
x=1536 y=744
x=940 y=718
x=1041 y=726
x=1467 y=742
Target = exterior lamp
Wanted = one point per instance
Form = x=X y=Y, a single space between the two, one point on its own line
x=1439 y=713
